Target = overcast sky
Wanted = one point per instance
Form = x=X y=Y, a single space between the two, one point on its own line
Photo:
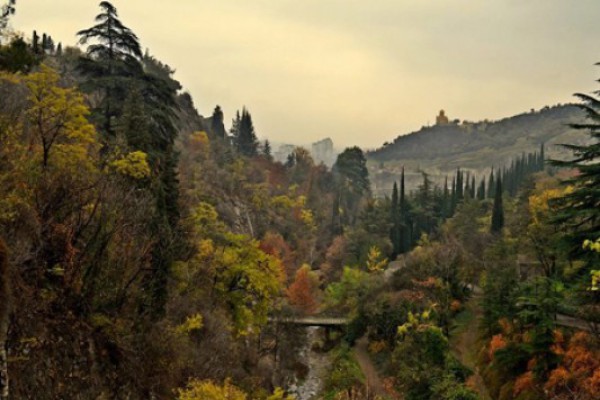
x=358 y=71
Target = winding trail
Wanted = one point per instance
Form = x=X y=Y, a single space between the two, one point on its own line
x=373 y=383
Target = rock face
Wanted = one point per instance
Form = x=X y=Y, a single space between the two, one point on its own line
x=322 y=152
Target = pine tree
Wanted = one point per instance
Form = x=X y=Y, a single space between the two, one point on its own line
x=247 y=143
x=112 y=60
x=498 y=210
x=579 y=210
x=266 y=150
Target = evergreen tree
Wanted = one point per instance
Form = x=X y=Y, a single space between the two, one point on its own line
x=395 y=219
x=35 y=43
x=472 y=187
x=446 y=201
x=453 y=197
x=459 y=185
x=481 y=190
x=267 y=150
x=112 y=59
x=579 y=210
x=217 y=125
x=234 y=131
x=491 y=193
x=498 y=210
x=247 y=143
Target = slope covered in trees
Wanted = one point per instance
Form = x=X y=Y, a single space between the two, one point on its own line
x=145 y=252
x=473 y=146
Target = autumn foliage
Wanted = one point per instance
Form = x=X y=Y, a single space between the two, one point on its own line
x=302 y=292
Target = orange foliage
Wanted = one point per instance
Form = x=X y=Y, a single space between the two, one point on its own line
x=579 y=371
x=455 y=305
x=497 y=343
x=301 y=292
x=523 y=382
x=275 y=245
x=506 y=326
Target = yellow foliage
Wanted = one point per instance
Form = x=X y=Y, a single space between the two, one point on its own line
x=375 y=263
x=192 y=323
x=134 y=165
x=207 y=390
x=539 y=203
x=279 y=394
x=61 y=134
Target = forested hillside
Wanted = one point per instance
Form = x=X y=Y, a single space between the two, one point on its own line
x=474 y=146
x=147 y=252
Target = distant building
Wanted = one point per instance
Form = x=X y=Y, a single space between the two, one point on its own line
x=442 y=119
x=322 y=152
x=283 y=152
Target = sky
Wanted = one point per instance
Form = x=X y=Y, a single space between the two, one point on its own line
x=360 y=72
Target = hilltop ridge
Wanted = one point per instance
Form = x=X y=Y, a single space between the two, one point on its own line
x=474 y=146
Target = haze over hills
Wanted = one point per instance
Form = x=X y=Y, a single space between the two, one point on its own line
x=473 y=146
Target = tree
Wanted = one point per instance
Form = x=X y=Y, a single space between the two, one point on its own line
x=301 y=292
x=352 y=182
x=491 y=186
x=395 y=219
x=578 y=210
x=6 y=11
x=498 y=210
x=57 y=116
x=266 y=150
x=216 y=123
x=112 y=59
x=244 y=135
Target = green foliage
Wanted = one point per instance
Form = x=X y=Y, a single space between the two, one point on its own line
x=17 y=56
x=243 y=134
x=345 y=373
x=578 y=210
x=352 y=183
x=497 y=210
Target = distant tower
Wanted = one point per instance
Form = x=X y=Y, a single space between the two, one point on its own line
x=442 y=119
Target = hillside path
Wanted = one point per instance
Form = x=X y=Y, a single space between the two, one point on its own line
x=374 y=383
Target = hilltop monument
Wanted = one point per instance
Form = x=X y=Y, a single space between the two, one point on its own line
x=442 y=119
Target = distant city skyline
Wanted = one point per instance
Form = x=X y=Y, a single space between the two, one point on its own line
x=358 y=72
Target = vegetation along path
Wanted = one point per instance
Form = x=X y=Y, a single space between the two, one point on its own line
x=464 y=342
x=373 y=381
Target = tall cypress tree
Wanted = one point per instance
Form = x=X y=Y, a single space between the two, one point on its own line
x=217 y=125
x=481 y=190
x=491 y=186
x=405 y=235
x=498 y=210
x=395 y=220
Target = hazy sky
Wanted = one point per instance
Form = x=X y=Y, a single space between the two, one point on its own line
x=358 y=71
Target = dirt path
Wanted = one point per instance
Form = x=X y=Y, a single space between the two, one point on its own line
x=361 y=352
x=464 y=342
